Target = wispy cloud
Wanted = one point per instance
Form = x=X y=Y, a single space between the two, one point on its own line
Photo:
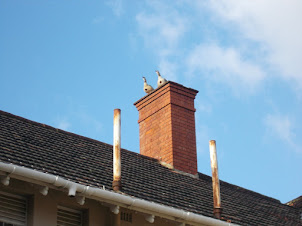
x=203 y=106
x=202 y=138
x=224 y=65
x=162 y=28
x=240 y=44
x=89 y=121
x=98 y=20
x=282 y=127
x=116 y=6
x=77 y=119
x=63 y=124
x=168 y=69
x=274 y=24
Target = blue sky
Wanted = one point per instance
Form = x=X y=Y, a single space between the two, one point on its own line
x=68 y=64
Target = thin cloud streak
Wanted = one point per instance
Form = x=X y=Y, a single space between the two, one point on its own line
x=282 y=127
x=224 y=65
x=117 y=7
x=98 y=20
x=63 y=124
x=162 y=29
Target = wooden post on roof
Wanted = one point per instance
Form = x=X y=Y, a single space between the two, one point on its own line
x=116 y=184
x=215 y=180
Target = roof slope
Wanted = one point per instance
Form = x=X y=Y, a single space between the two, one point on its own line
x=89 y=162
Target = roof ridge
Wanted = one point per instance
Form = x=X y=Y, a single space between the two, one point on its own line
x=66 y=132
x=49 y=127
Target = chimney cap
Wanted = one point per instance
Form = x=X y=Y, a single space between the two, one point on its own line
x=162 y=87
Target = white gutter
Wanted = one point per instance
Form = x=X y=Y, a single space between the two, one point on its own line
x=139 y=205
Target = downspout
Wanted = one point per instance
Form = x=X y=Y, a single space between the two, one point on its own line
x=215 y=180
x=116 y=184
x=115 y=198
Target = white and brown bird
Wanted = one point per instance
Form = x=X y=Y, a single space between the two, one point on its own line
x=147 y=88
x=160 y=81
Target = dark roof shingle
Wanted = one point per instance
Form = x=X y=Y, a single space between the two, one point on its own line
x=89 y=162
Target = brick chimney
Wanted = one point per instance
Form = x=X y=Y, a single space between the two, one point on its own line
x=167 y=126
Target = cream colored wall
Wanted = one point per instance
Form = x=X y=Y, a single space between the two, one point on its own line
x=42 y=210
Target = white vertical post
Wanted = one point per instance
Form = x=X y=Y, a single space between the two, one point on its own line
x=116 y=184
x=215 y=180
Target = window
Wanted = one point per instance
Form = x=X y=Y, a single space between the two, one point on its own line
x=69 y=217
x=125 y=216
x=12 y=209
x=6 y=224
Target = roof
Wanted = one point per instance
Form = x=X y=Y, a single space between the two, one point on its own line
x=89 y=162
x=297 y=202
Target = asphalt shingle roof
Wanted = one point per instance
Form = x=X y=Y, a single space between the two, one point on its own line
x=89 y=162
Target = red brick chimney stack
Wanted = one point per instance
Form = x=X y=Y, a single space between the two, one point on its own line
x=167 y=126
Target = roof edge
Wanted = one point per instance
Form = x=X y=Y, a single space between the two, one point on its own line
x=48 y=126
x=115 y=198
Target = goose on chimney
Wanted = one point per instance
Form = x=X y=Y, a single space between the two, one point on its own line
x=147 y=88
x=160 y=81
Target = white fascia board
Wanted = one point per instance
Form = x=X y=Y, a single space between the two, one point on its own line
x=111 y=197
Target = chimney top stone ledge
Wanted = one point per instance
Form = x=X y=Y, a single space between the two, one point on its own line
x=165 y=88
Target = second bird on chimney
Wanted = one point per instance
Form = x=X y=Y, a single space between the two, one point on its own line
x=160 y=82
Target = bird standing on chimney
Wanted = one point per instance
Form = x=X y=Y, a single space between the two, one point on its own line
x=147 y=88
x=160 y=81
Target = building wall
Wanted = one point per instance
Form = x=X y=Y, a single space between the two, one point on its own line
x=42 y=210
